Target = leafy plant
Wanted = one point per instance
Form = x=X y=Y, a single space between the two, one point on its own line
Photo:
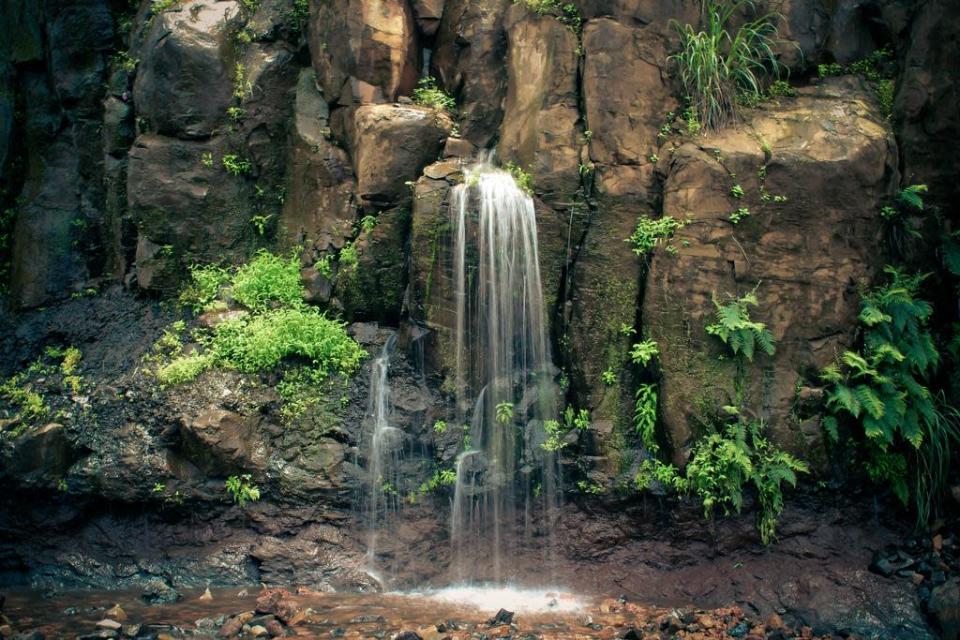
x=642 y=352
x=651 y=232
x=645 y=416
x=260 y=222
x=739 y=215
x=428 y=94
x=235 y=165
x=736 y=191
x=504 y=412
x=439 y=427
x=523 y=179
x=736 y=329
x=884 y=391
x=367 y=223
x=716 y=65
x=609 y=377
x=204 y=286
x=440 y=478
x=912 y=197
x=268 y=280
x=723 y=463
x=557 y=431
x=241 y=489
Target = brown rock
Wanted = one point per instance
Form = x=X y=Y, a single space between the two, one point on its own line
x=625 y=94
x=39 y=455
x=275 y=629
x=279 y=602
x=391 y=144
x=470 y=61
x=458 y=148
x=809 y=262
x=774 y=621
x=221 y=441
x=539 y=130
x=318 y=209
x=184 y=210
x=944 y=608
x=117 y=613
x=364 y=50
x=184 y=84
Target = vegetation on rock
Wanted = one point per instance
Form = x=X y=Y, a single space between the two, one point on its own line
x=882 y=393
x=719 y=63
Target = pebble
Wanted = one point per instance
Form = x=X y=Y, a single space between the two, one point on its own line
x=258 y=630
x=107 y=623
x=117 y=613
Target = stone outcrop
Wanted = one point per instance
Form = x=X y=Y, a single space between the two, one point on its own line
x=470 y=56
x=185 y=83
x=364 y=50
x=319 y=203
x=390 y=145
x=540 y=131
x=805 y=257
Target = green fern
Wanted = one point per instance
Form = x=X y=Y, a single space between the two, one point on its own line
x=735 y=328
x=884 y=390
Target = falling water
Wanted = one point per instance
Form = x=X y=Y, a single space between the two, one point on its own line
x=502 y=370
x=383 y=454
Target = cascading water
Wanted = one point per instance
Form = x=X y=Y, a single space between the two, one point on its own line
x=503 y=375
x=385 y=445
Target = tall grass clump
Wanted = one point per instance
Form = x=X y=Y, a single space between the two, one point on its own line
x=716 y=65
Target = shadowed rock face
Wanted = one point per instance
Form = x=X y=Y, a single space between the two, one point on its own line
x=184 y=85
x=364 y=50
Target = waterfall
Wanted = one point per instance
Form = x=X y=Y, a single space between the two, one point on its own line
x=503 y=372
x=382 y=455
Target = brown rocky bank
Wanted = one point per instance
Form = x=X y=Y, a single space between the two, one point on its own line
x=124 y=170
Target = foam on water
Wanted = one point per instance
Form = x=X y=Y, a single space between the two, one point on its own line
x=516 y=599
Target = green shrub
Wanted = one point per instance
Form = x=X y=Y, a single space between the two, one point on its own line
x=723 y=465
x=268 y=280
x=428 y=94
x=504 y=412
x=884 y=392
x=183 y=369
x=235 y=165
x=204 y=286
x=440 y=478
x=262 y=341
x=523 y=179
x=650 y=232
x=643 y=352
x=735 y=328
x=557 y=431
x=715 y=65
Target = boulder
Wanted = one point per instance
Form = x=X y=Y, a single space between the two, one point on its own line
x=833 y=158
x=364 y=50
x=222 y=442
x=539 y=130
x=625 y=93
x=469 y=59
x=390 y=145
x=944 y=608
x=626 y=99
x=184 y=82
x=428 y=14
x=927 y=104
x=39 y=457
